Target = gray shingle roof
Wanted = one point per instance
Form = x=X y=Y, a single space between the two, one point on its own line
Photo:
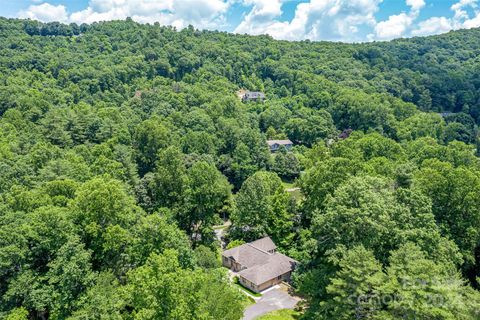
x=279 y=142
x=254 y=95
x=265 y=244
x=246 y=255
x=276 y=265
x=260 y=265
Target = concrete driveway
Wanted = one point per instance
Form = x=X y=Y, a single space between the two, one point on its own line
x=271 y=300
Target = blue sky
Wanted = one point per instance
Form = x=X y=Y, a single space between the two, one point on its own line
x=335 y=20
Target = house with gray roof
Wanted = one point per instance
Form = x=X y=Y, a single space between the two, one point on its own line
x=258 y=264
x=275 y=145
x=252 y=96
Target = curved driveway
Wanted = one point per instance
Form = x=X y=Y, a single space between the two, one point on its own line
x=271 y=300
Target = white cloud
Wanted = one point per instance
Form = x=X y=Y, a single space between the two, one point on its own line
x=179 y=13
x=462 y=19
x=45 y=12
x=416 y=5
x=459 y=8
x=260 y=17
x=395 y=27
x=434 y=25
x=337 y=20
x=473 y=22
x=265 y=8
x=398 y=25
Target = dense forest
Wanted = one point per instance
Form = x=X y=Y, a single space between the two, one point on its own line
x=122 y=145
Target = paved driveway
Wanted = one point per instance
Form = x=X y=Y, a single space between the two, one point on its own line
x=273 y=299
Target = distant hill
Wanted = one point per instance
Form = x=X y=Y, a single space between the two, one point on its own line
x=438 y=73
x=125 y=146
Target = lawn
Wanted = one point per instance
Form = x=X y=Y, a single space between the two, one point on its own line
x=296 y=194
x=220 y=227
x=284 y=314
x=288 y=185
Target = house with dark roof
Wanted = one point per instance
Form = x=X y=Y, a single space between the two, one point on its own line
x=258 y=264
x=345 y=134
x=275 y=145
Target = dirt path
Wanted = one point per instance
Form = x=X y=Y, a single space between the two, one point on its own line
x=220 y=232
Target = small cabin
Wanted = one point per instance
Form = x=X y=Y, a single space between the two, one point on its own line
x=275 y=145
x=254 y=96
x=345 y=134
x=446 y=114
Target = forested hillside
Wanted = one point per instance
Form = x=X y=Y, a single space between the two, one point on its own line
x=122 y=145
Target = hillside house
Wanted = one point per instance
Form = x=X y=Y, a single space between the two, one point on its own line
x=274 y=145
x=345 y=134
x=255 y=96
x=445 y=114
x=258 y=264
